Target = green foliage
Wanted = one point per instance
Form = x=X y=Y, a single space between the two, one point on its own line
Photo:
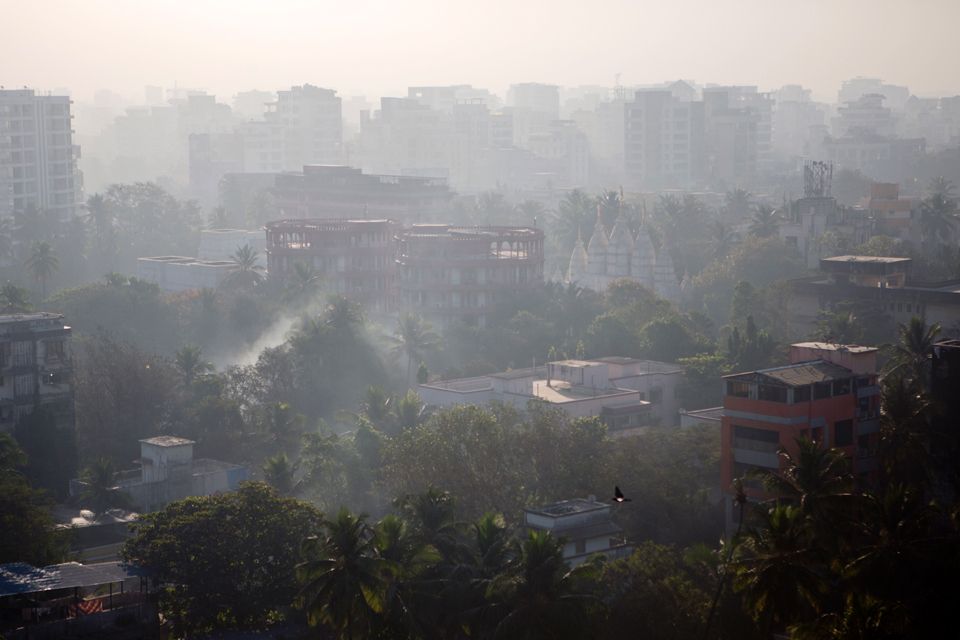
x=753 y=349
x=51 y=448
x=100 y=491
x=228 y=560
x=28 y=529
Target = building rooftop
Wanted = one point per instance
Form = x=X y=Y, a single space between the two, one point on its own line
x=829 y=346
x=569 y=507
x=167 y=441
x=865 y=260
x=800 y=374
x=26 y=317
x=560 y=391
x=18 y=578
x=711 y=413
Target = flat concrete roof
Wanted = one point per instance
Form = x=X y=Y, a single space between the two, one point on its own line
x=167 y=441
x=866 y=259
x=828 y=346
x=568 y=507
x=560 y=391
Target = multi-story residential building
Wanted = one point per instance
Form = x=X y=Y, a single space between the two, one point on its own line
x=534 y=96
x=892 y=215
x=663 y=140
x=882 y=284
x=797 y=121
x=38 y=160
x=355 y=258
x=320 y=191
x=625 y=393
x=35 y=368
x=312 y=122
x=586 y=527
x=828 y=393
x=450 y=274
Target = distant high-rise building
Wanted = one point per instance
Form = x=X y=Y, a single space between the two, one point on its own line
x=534 y=96
x=663 y=140
x=38 y=161
x=312 y=122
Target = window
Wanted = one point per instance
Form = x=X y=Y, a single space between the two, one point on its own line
x=738 y=389
x=843 y=433
x=656 y=396
x=772 y=393
x=822 y=390
x=765 y=440
x=801 y=394
x=841 y=387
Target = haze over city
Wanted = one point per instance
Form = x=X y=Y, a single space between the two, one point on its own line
x=504 y=321
x=378 y=47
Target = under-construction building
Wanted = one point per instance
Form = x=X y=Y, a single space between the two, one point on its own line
x=354 y=258
x=448 y=274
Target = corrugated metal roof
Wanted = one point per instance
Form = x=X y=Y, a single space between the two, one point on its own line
x=800 y=374
x=22 y=578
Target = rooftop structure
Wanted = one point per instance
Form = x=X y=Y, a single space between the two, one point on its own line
x=322 y=191
x=75 y=600
x=218 y=245
x=627 y=394
x=585 y=526
x=451 y=274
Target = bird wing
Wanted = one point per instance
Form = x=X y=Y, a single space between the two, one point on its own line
x=617 y=493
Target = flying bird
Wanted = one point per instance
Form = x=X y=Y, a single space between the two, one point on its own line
x=618 y=495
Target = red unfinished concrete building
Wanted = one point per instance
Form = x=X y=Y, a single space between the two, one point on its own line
x=354 y=258
x=456 y=274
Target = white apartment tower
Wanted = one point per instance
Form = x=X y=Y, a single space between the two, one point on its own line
x=38 y=162
x=312 y=122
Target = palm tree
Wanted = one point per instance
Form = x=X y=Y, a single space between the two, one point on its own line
x=937 y=219
x=305 y=281
x=941 y=186
x=14 y=299
x=540 y=596
x=279 y=473
x=909 y=355
x=777 y=570
x=721 y=239
x=815 y=479
x=100 y=218
x=413 y=338
x=100 y=492
x=576 y=214
x=342 y=315
x=189 y=360
x=737 y=203
x=765 y=221
x=42 y=263
x=247 y=271
x=342 y=579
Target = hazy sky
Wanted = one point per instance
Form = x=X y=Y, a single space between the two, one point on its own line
x=378 y=47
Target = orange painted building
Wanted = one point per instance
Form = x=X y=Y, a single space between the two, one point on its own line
x=829 y=393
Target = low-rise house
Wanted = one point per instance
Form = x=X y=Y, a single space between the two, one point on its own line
x=624 y=392
x=169 y=472
x=182 y=273
x=585 y=526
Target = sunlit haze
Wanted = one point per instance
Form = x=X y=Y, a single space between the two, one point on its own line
x=376 y=47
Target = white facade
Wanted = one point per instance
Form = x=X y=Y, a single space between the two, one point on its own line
x=624 y=392
x=181 y=273
x=220 y=245
x=585 y=525
x=38 y=161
